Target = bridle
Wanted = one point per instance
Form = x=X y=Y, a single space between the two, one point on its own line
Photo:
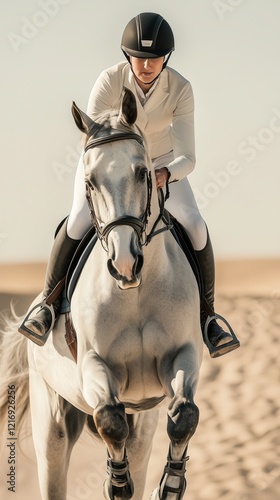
x=138 y=224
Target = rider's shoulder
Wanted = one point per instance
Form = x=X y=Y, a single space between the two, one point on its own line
x=116 y=69
x=177 y=77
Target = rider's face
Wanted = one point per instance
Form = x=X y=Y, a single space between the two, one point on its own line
x=146 y=70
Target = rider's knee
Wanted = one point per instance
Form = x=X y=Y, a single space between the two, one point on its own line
x=197 y=230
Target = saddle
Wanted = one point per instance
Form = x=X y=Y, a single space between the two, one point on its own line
x=81 y=255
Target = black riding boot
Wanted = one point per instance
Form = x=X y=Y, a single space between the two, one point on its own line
x=218 y=341
x=38 y=326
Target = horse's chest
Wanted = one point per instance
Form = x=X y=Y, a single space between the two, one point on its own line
x=133 y=343
x=134 y=355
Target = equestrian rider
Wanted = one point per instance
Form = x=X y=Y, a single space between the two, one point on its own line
x=165 y=114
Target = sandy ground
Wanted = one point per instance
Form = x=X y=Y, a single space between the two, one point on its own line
x=235 y=453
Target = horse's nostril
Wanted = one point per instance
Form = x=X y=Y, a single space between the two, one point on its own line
x=112 y=270
x=138 y=264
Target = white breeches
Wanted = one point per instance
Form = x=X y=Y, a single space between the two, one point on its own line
x=181 y=205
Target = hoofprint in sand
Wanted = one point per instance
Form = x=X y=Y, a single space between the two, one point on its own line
x=235 y=454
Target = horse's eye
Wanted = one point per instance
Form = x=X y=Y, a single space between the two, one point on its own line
x=143 y=174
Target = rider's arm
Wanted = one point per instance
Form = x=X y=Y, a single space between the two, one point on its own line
x=105 y=93
x=182 y=131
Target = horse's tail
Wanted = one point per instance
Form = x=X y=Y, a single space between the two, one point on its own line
x=14 y=381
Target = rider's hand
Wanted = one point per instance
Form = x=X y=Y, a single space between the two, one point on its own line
x=162 y=176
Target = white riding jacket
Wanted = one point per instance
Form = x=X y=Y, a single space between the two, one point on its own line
x=166 y=119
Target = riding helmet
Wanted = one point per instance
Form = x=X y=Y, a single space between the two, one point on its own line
x=147 y=35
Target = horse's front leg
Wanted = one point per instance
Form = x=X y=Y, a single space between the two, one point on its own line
x=101 y=390
x=56 y=426
x=111 y=423
x=180 y=380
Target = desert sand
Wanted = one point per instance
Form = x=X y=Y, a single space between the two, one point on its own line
x=235 y=453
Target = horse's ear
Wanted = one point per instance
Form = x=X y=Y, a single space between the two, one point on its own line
x=128 y=113
x=82 y=120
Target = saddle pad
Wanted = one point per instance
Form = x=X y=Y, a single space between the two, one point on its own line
x=181 y=236
x=77 y=263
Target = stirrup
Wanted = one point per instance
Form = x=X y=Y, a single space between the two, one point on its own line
x=217 y=351
x=37 y=339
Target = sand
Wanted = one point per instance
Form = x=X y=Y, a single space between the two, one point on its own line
x=235 y=453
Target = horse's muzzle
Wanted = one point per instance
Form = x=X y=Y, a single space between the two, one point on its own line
x=127 y=279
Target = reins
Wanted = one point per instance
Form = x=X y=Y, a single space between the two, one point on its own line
x=164 y=216
x=138 y=224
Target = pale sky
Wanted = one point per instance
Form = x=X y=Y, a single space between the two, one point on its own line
x=51 y=53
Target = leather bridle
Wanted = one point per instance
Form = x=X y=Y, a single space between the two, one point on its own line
x=138 y=224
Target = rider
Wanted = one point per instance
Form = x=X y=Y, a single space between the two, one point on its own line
x=165 y=110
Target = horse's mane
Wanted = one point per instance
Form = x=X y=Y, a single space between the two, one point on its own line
x=108 y=119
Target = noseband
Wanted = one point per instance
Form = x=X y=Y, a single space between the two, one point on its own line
x=138 y=224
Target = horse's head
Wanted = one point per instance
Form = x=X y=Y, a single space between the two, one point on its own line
x=118 y=185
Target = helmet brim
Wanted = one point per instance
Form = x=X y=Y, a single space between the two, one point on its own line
x=144 y=55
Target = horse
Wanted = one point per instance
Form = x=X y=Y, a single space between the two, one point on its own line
x=136 y=313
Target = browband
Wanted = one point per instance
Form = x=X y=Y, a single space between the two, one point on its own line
x=115 y=136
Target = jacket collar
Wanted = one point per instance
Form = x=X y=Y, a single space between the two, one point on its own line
x=155 y=100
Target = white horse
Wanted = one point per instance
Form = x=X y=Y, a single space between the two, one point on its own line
x=136 y=311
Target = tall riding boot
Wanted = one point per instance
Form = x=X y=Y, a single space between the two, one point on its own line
x=38 y=326
x=218 y=341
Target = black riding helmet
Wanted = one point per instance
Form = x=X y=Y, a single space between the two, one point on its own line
x=148 y=35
